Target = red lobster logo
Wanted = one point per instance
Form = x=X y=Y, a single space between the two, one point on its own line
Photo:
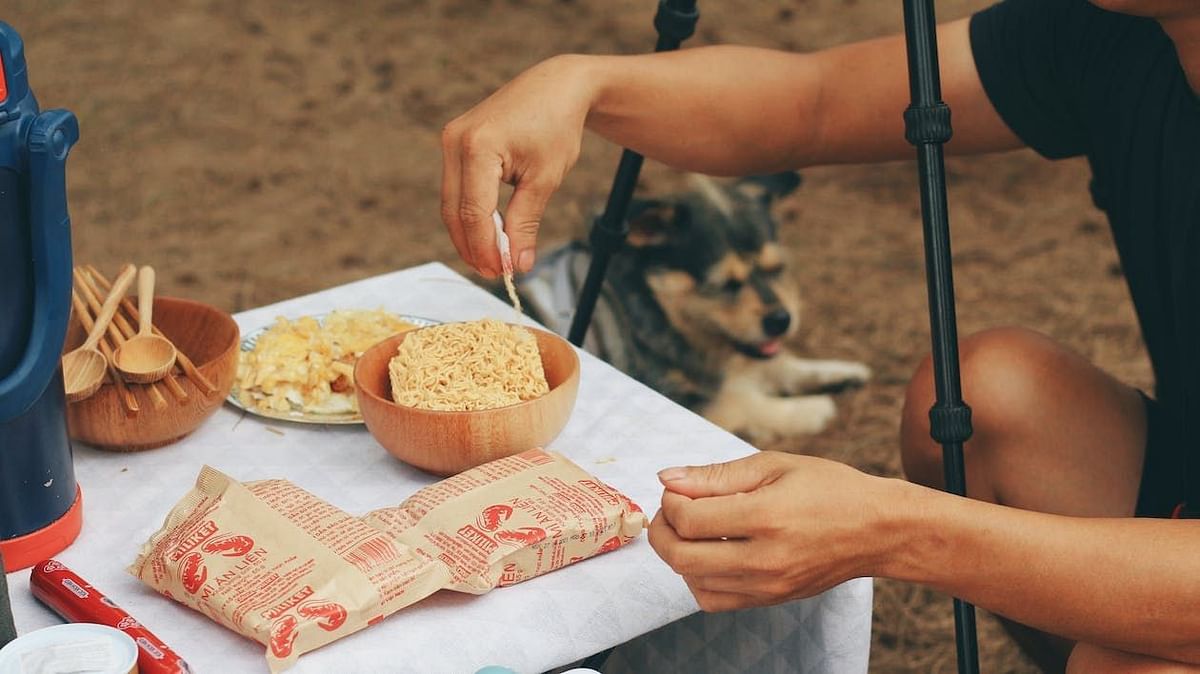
x=229 y=545
x=193 y=573
x=522 y=536
x=493 y=516
x=329 y=615
x=283 y=636
x=609 y=545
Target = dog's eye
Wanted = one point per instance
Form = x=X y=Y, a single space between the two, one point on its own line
x=732 y=286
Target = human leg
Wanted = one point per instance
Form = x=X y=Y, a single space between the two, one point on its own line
x=1052 y=433
x=1090 y=659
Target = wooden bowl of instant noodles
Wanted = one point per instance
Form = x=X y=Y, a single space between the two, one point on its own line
x=449 y=442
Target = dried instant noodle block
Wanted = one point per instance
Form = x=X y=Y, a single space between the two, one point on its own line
x=476 y=365
x=279 y=565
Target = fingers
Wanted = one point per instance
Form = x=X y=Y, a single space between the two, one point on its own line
x=696 y=558
x=524 y=216
x=720 y=479
x=713 y=517
x=481 y=173
x=471 y=172
x=470 y=225
x=452 y=190
x=715 y=602
x=763 y=588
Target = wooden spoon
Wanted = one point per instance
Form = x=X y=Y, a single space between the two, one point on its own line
x=189 y=368
x=85 y=319
x=83 y=368
x=147 y=357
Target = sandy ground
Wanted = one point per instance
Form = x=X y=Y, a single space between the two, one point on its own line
x=258 y=150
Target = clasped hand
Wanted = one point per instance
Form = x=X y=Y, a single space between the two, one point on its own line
x=770 y=528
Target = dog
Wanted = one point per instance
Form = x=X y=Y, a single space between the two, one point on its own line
x=698 y=305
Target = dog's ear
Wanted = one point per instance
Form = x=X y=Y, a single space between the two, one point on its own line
x=651 y=223
x=769 y=187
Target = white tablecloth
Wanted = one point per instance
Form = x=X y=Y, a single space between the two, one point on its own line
x=620 y=431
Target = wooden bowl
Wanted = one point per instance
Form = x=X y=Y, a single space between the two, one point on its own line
x=445 y=443
x=205 y=334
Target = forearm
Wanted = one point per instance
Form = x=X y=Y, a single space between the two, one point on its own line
x=1128 y=584
x=717 y=110
x=739 y=110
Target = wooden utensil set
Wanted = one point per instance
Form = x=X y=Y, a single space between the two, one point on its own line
x=129 y=358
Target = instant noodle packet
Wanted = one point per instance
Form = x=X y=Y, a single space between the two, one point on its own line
x=280 y=566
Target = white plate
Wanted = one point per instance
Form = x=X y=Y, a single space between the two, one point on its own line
x=297 y=416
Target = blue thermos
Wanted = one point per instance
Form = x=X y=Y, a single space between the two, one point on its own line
x=40 y=508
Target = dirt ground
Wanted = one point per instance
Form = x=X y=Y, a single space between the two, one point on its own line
x=257 y=150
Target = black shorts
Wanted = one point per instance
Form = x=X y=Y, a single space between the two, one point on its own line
x=1162 y=492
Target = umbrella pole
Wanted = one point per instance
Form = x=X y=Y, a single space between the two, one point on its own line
x=675 y=22
x=927 y=127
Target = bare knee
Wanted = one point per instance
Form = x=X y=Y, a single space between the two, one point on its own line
x=1000 y=371
x=919 y=454
x=1089 y=659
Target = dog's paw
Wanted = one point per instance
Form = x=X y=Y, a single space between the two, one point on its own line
x=839 y=375
x=800 y=377
x=808 y=415
x=855 y=374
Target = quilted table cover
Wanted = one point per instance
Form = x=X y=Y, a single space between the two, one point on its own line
x=620 y=431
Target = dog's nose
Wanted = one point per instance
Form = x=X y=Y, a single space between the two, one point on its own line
x=776 y=323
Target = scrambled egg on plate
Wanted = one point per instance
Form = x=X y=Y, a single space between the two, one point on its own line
x=307 y=365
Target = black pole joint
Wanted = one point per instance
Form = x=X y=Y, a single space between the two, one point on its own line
x=675 y=21
x=950 y=423
x=927 y=124
x=604 y=236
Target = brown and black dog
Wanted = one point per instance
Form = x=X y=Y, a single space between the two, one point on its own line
x=698 y=306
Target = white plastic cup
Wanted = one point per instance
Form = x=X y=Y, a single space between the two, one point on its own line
x=124 y=650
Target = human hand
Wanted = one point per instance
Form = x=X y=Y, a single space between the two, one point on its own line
x=771 y=528
x=527 y=134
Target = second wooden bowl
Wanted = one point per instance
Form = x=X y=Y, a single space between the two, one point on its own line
x=205 y=334
x=445 y=443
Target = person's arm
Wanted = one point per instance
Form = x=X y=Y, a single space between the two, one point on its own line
x=716 y=110
x=1127 y=584
x=775 y=527
x=740 y=110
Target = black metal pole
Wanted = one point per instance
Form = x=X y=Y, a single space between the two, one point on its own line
x=8 y=631
x=675 y=22
x=927 y=126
